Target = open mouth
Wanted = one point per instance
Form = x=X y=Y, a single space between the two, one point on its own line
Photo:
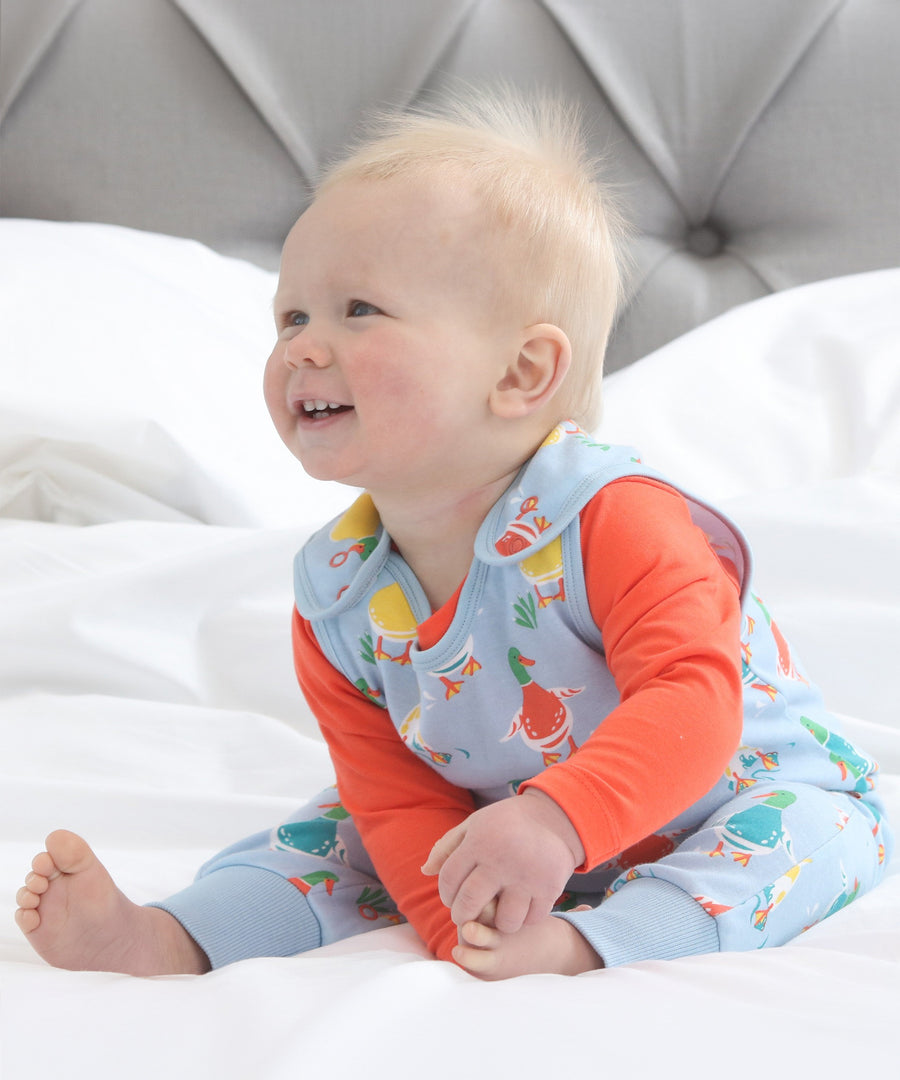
x=321 y=410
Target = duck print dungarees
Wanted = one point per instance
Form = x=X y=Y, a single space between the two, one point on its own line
x=791 y=832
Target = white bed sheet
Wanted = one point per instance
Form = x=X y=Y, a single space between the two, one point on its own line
x=147 y=522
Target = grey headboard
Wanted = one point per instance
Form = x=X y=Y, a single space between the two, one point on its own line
x=756 y=142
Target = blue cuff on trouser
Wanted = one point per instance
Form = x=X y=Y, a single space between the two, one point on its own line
x=239 y=912
x=647 y=919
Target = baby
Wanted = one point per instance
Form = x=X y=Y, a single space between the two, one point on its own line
x=566 y=733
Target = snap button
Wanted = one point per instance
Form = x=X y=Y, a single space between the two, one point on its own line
x=705 y=241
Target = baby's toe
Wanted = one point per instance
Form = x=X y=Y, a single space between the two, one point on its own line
x=43 y=866
x=68 y=853
x=480 y=962
x=479 y=935
x=27 y=897
x=27 y=920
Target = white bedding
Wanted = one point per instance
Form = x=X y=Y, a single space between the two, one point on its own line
x=148 y=517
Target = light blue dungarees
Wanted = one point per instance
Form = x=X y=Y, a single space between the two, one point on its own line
x=792 y=831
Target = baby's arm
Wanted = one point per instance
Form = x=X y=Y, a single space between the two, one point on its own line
x=514 y=857
x=399 y=804
x=670 y=617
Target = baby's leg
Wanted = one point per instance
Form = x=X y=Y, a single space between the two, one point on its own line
x=304 y=884
x=75 y=917
x=766 y=866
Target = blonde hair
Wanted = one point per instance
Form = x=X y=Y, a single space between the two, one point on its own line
x=528 y=163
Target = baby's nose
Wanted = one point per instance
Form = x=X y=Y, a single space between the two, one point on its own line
x=307 y=348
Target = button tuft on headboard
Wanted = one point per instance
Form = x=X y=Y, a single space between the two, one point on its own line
x=705 y=240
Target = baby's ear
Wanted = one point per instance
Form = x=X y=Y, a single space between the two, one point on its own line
x=535 y=375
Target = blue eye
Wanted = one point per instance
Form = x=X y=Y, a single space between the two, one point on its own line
x=297 y=318
x=358 y=309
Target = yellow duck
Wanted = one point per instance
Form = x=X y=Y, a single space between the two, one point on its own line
x=361 y=519
x=392 y=621
x=542 y=569
x=359 y=525
x=410 y=733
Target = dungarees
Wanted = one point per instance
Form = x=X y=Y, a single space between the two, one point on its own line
x=790 y=833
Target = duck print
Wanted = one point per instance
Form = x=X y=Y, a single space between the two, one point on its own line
x=755 y=765
x=572 y=430
x=371 y=693
x=410 y=732
x=393 y=623
x=712 y=907
x=520 y=533
x=319 y=877
x=374 y=903
x=786 y=667
x=876 y=834
x=758 y=830
x=772 y=895
x=359 y=524
x=544 y=570
x=748 y=676
x=545 y=720
x=760 y=761
x=846 y=896
x=316 y=837
x=453 y=674
x=842 y=754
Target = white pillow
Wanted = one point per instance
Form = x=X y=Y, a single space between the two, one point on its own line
x=131 y=383
x=792 y=390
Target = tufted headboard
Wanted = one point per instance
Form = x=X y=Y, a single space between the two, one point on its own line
x=755 y=144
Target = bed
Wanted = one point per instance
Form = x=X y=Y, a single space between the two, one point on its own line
x=152 y=155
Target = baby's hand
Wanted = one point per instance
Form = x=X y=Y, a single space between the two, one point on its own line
x=519 y=852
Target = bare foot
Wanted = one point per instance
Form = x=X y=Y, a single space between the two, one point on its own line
x=553 y=946
x=75 y=917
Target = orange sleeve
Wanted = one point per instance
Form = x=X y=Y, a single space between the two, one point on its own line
x=669 y=613
x=400 y=805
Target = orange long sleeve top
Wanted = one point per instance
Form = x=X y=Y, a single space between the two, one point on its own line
x=669 y=613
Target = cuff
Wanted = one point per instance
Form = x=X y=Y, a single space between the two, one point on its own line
x=646 y=919
x=239 y=912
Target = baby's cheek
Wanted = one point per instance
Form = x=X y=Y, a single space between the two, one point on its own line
x=273 y=386
x=395 y=383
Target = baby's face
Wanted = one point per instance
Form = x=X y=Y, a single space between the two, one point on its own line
x=388 y=339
